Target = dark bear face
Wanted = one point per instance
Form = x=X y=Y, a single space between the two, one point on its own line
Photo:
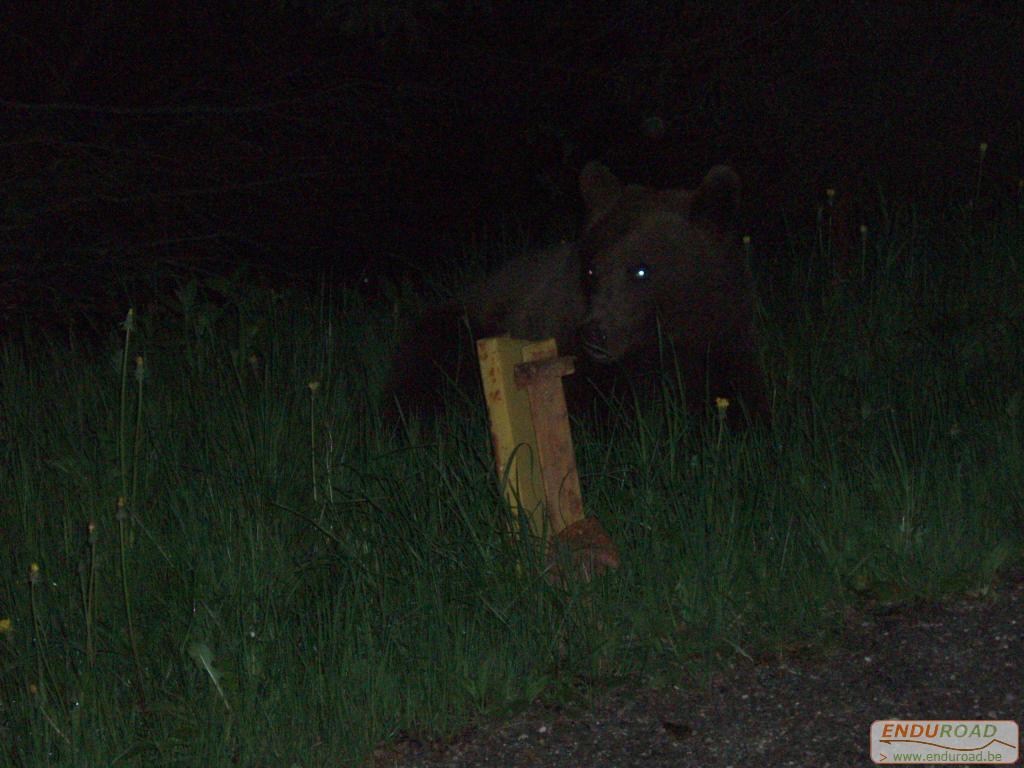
x=649 y=254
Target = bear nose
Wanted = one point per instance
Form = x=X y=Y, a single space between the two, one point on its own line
x=593 y=335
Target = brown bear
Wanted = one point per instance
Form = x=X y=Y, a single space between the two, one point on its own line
x=657 y=279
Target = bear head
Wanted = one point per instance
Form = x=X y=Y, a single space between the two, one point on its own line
x=660 y=263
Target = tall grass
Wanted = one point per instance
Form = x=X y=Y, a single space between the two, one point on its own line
x=215 y=553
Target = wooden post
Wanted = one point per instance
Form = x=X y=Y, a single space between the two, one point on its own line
x=542 y=380
x=512 y=435
x=533 y=450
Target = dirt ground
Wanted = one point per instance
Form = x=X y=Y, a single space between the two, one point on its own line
x=959 y=661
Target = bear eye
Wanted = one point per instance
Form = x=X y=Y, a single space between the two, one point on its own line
x=640 y=272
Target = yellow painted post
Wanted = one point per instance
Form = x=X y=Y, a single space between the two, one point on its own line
x=533 y=450
x=542 y=379
x=512 y=433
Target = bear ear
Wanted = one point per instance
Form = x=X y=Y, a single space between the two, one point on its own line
x=600 y=188
x=717 y=200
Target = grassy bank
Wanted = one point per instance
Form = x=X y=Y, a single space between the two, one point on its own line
x=215 y=553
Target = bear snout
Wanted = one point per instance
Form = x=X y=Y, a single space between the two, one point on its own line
x=594 y=340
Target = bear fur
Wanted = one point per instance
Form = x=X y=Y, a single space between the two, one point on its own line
x=653 y=272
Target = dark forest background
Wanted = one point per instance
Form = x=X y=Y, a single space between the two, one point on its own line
x=143 y=142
